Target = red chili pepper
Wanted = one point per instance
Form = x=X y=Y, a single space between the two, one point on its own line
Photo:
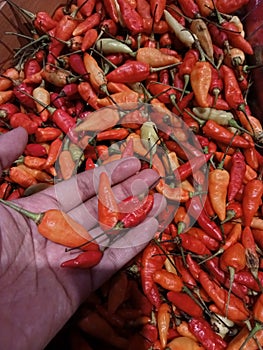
x=89 y=39
x=5 y=190
x=7 y=109
x=185 y=68
x=132 y=20
x=221 y=134
x=23 y=98
x=63 y=32
x=204 y=333
x=139 y=212
x=43 y=22
x=230 y=6
x=53 y=152
x=201 y=235
x=129 y=72
x=152 y=260
x=236 y=311
x=84 y=260
x=195 y=209
x=157 y=8
x=184 y=273
x=187 y=169
x=193 y=244
x=90 y=22
x=31 y=67
x=185 y=303
x=63 y=120
x=232 y=92
x=237 y=173
x=161 y=91
x=236 y=39
x=86 y=7
x=22 y=119
x=233 y=258
x=111 y=9
x=88 y=94
x=251 y=201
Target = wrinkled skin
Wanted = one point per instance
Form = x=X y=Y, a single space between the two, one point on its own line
x=37 y=296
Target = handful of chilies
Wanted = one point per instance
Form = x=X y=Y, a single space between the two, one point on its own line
x=167 y=83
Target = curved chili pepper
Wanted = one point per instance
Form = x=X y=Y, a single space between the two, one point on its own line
x=107 y=205
x=236 y=311
x=196 y=210
x=138 y=214
x=204 y=333
x=133 y=21
x=187 y=169
x=189 y=8
x=84 y=260
x=152 y=260
x=236 y=39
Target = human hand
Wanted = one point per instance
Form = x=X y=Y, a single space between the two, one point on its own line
x=37 y=296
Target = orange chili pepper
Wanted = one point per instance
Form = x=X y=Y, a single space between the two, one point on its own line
x=53 y=152
x=118 y=98
x=218 y=181
x=58 y=227
x=168 y=280
x=47 y=134
x=163 y=323
x=200 y=78
x=154 y=57
x=34 y=162
x=184 y=343
x=21 y=177
x=66 y=162
x=96 y=75
x=108 y=212
x=42 y=95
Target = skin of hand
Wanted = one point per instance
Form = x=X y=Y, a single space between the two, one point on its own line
x=37 y=296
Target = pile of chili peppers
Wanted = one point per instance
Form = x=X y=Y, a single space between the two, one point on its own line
x=168 y=82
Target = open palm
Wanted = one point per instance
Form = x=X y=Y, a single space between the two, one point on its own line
x=37 y=296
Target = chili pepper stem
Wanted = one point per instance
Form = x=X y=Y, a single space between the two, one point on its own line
x=220 y=251
x=36 y=217
x=257 y=327
x=27 y=14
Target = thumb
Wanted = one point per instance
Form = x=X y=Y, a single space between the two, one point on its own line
x=12 y=145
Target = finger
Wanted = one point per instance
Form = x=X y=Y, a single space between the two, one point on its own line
x=87 y=213
x=123 y=251
x=73 y=192
x=12 y=145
